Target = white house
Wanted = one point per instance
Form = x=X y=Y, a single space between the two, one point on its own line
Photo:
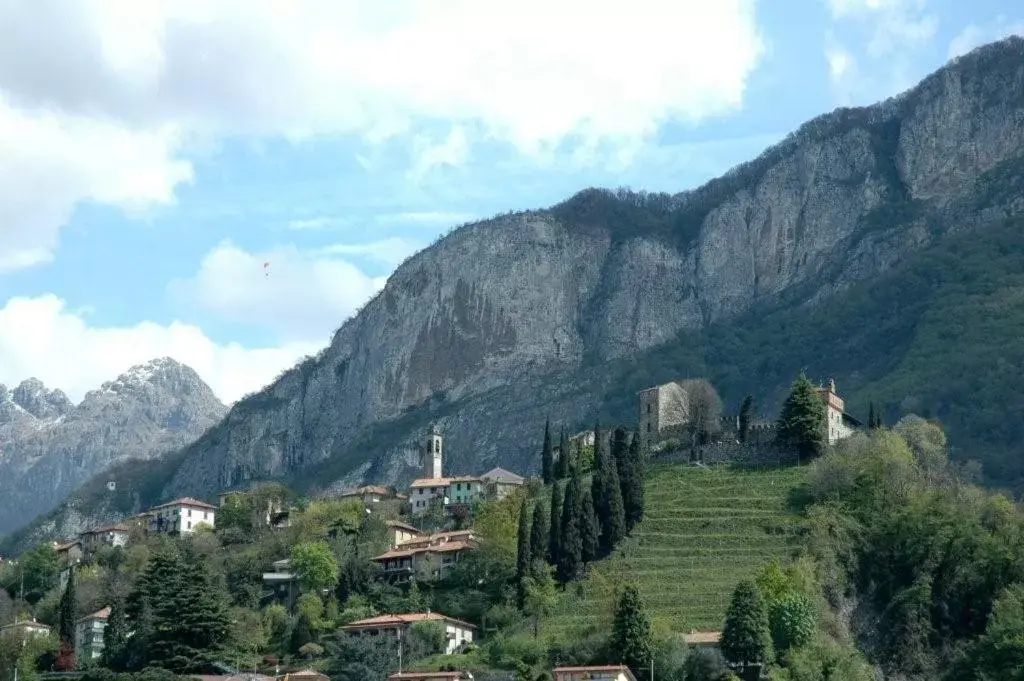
x=26 y=628
x=181 y=516
x=459 y=633
x=840 y=424
x=618 y=672
x=89 y=635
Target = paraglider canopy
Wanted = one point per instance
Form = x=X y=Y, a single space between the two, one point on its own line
x=266 y=268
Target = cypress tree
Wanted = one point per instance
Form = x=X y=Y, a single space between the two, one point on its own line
x=570 y=543
x=546 y=456
x=597 y=481
x=564 y=457
x=555 y=530
x=613 y=529
x=871 y=416
x=539 y=533
x=590 y=532
x=746 y=411
x=523 y=553
x=633 y=485
x=114 y=636
x=801 y=424
x=66 y=625
x=632 y=639
x=746 y=637
x=620 y=450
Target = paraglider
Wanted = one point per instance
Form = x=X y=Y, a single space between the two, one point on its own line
x=266 y=269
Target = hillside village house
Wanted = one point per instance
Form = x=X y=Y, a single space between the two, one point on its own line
x=459 y=633
x=304 y=675
x=430 y=557
x=618 y=672
x=400 y=533
x=89 y=635
x=105 y=535
x=368 y=494
x=275 y=515
x=25 y=629
x=460 y=490
x=430 y=676
x=69 y=553
x=281 y=585
x=181 y=516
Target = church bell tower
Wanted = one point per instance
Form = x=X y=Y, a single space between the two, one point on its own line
x=435 y=451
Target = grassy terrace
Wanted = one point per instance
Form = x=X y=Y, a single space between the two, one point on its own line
x=705 y=529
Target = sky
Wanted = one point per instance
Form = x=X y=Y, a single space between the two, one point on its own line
x=154 y=154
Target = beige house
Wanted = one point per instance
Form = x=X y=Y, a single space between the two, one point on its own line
x=401 y=533
x=89 y=635
x=368 y=494
x=105 y=535
x=617 y=672
x=430 y=676
x=459 y=633
x=431 y=556
x=25 y=629
x=181 y=516
x=662 y=412
x=500 y=482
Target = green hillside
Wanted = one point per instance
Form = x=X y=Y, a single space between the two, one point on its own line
x=705 y=529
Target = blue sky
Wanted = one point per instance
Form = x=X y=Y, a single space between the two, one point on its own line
x=150 y=167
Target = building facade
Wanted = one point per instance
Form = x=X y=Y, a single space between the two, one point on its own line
x=430 y=557
x=25 y=629
x=401 y=533
x=618 y=672
x=459 y=633
x=661 y=412
x=89 y=636
x=839 y=424
x=106 y=535
x=500 y=482
x=181 y=516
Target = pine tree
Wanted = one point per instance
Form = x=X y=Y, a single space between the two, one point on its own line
x=746 y=412
x=523 y=553
x=114 y=636
x=802 y=424
x=746 y=637
x=632 y=484
x=564 y=457
x=539 y=533
x=547 y=458
x=590 y=531
x=570 y=543
x=555 y=530
x=632 y=639
x=66 y=625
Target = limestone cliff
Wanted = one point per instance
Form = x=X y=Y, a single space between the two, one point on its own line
x=470 y=329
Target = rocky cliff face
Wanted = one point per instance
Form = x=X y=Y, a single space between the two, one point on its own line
x=470 y=327
x=48 y=446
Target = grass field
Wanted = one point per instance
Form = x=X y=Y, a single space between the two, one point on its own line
x=704 y=530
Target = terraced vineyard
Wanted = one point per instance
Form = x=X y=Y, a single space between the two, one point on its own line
x=705 y=529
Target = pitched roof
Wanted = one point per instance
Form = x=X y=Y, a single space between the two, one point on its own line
x=366 y=489
x=464 y=478
x=412 y=676
x=430 y=482
x=502 y=475
x=406 y=618
x=399 y=525
x=185 y=501
x=620 y=668
x=306 y=673
x=66 y=546
x=98 y=615
x=114 y=527
x=706 y=637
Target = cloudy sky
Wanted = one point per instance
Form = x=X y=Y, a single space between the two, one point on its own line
x=154 y=154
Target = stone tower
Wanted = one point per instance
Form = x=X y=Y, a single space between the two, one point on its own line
x=435 y=451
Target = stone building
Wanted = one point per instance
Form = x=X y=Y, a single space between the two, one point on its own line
x=839 y=424
x=661 y=412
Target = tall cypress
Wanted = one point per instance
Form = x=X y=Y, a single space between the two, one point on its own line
x=539 y=533
x=523 y=553
x=746 y=412
x=632 y=638
x=633 y=484
x=114 y=636
x=871 y=416
x=66 y=625
x=597 y=481
x=570 y=543
x=620 y=450
x=590 y=532
x=555 y=530
x=613 y=527
x=564 y=457
x=546 y=456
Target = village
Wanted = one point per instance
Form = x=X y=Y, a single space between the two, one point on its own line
x=429 y=527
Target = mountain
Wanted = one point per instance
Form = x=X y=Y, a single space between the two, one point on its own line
x=48 y=446
x=882 y=246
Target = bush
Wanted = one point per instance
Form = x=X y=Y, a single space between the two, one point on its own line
x=505 y=651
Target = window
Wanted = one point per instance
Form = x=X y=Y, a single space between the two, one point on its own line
x=190 y=524
x=648 y=409
x=190 y=514
x=648 y=427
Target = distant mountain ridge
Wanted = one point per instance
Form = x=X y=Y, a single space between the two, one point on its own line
x=49 y=446
x=869 y=246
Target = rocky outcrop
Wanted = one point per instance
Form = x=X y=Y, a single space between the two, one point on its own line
x=496 y=311
x=48 y=446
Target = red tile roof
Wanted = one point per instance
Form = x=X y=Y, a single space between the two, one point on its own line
x=407 y=618
x=98 y=615
x=430 y=482
x=397 y=524
x=185 y=501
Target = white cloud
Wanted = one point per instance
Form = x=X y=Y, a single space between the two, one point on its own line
x=452 y=151
x=120 y=89
x=41 y=337
x=300 y=297
x=894 y=25
x=391 y=251
x=973 y=36
x=840 y=63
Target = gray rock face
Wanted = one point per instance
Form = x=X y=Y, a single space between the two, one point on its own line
x=48 y=446
x=472 y=328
